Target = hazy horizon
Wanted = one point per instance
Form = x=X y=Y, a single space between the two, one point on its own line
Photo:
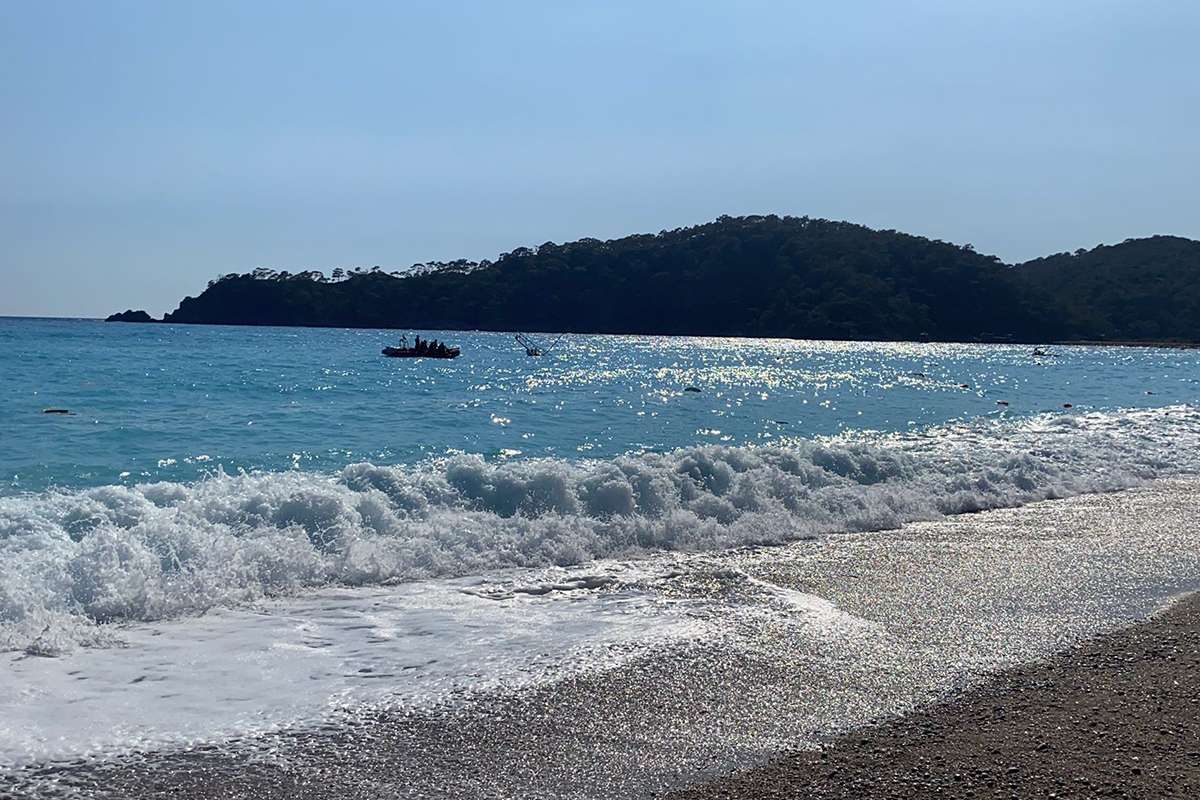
x=150 y=148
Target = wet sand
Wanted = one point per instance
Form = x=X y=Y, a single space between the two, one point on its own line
x=1117 y=716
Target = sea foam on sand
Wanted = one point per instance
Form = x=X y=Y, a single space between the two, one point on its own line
x=618 y=679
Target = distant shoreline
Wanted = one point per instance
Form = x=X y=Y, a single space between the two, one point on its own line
x=1171 y=345
x=1164 y=343
x=767 y=276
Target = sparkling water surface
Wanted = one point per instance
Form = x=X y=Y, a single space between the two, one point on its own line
x=176 y=402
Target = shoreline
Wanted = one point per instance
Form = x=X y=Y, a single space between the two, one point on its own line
x=1110 y=715
x=845 y=633
x=1115 y=714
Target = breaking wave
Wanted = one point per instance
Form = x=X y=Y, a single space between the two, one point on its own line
x=70 y=560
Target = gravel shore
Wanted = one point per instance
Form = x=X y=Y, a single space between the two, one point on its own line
x=1116 y=716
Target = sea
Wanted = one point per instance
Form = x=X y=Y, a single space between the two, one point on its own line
x=215 y=531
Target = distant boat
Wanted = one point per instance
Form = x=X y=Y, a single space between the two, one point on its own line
x=412 y=352
x=421 y=350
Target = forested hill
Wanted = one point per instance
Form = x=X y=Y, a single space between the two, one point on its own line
x=1141 y=289
x=755 y=276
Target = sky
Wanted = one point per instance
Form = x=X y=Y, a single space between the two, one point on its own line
x=147 y=147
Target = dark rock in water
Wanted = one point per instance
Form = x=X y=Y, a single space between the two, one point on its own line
x=130 y=316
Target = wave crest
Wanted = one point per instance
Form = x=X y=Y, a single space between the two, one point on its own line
x=72 y=559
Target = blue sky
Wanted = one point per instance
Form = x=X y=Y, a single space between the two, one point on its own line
x=149 y=146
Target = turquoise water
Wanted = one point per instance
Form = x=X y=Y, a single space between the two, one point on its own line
x=164 y=402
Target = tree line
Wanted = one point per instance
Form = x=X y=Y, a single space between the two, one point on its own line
x=770 y=275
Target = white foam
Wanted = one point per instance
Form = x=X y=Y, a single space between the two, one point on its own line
x=70 y=560
x=319 y=658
